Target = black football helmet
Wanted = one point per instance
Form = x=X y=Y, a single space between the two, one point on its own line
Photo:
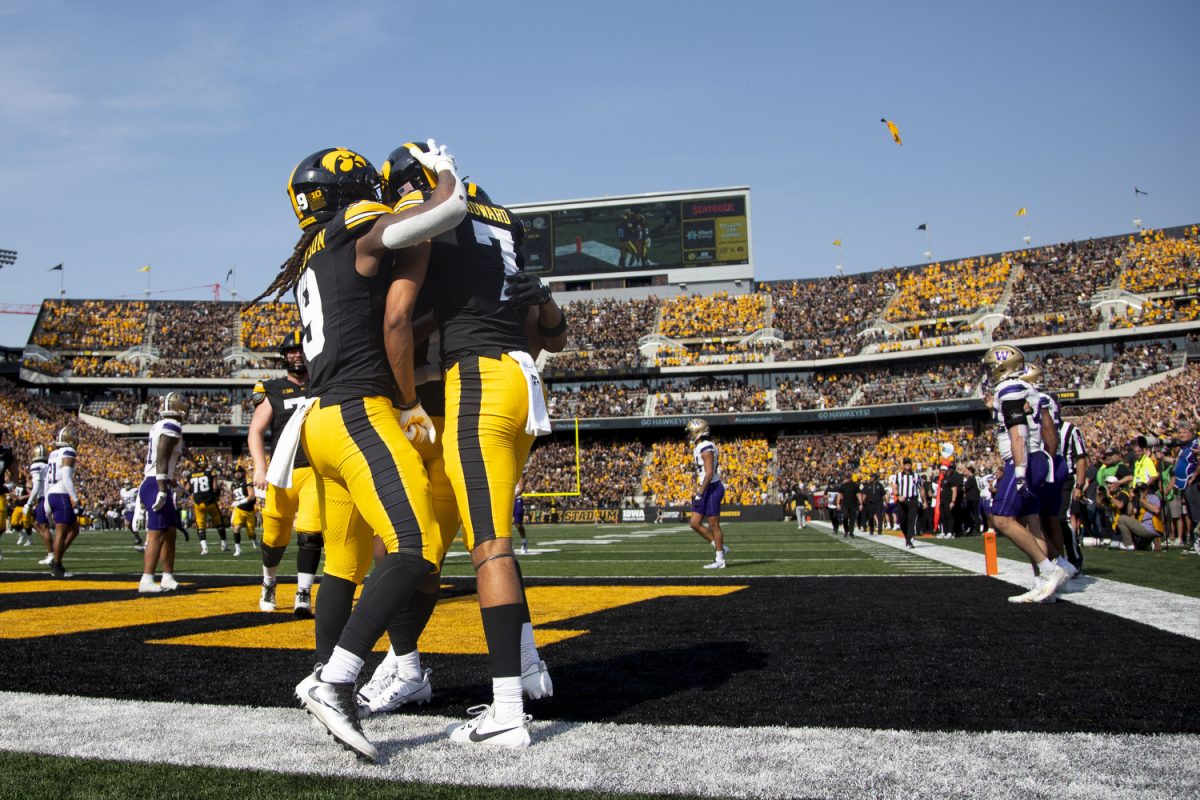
x=329 y=180
x=401 y=173
x=293 y=343
x=476 y=193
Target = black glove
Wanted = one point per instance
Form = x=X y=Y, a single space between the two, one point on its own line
x=524 y=289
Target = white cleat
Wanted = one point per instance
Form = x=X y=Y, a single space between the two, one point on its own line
x=224 y=547
x=237 y=550
x=169 y=584
x=1052 y=581
x=47 y=560
x=535 y=681
x=332 y=704
x=1027 y=597
x=148 y=587
x=390 y=691
x=484 y=729
x=266 y=601
x=716 y=565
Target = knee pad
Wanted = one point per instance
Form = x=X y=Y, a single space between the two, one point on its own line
x=310 y=541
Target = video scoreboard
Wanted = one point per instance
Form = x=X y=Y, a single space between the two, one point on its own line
x=638 y=233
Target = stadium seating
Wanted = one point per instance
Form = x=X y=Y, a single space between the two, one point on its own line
x=264 y=325
x=946 y=290
x=745 y=465
x=609 y=472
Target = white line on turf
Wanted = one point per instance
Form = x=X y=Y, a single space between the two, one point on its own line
x=763 y=762
x=1167 y=611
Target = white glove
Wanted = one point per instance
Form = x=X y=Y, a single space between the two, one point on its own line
x=417 y=425
x=160 y=502
x=29 y=509
x=436 y=160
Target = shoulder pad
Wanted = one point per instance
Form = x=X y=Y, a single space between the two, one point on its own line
x=364 y=211
x=413 y=198
x=258 y=393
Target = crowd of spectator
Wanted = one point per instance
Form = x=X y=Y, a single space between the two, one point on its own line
x=1068 y=371
x=1157 y=312
x=609 y=472
x=46 y=366
x=1062 y=278
x=738 y=397
x=716 y=351
x=263 y=325
x=820 y=390
x=1134 y=361
x=711 y=315
x=822 y=318
x=101 y=367
x=746 y=471
x=902 y=384
x=91 y=324
x=947 y=290
x=193 y=330
x=597 y=400
x=1152 y=410
x=213 y=366
x=1155 y=262
x=1054 y=324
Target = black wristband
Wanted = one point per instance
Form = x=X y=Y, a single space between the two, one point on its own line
x=557 y=330
x=410 y=406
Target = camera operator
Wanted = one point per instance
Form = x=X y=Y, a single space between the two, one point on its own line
x=1113 y=476
x=1185 y=476
x=1137 y=518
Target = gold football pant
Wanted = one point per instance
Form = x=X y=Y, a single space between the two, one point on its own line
x=208 y=515
x=445 y=505
x=486 y=445
x=242 y=517
x=372 y=483
x=295 y=507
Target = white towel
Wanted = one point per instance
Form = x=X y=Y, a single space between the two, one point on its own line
x=537 y=423
x=284 y=453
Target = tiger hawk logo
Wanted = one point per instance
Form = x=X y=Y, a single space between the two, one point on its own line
x=342 y=160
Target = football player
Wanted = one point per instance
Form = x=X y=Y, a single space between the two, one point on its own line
x=298 y=506
x=34 y=506
x=519 y=514
x=710 y=490
x=129 y=498
x=357 y=440
x=1015 y=504
x=157 y=496
x=8 y=471
x=16 y=520
x=206 y=496
x=61 y=497
x=1048 y=416
x=495 y=405
x=243 y=510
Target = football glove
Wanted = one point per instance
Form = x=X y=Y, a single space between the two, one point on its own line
x=1024 y=490
x=436 y=160
x=160 y=501
x=417 y=425
x=524 y=289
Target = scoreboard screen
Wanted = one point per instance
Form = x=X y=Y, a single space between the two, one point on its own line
x=637 y=235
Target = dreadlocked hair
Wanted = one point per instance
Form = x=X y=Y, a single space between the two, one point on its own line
x=289 y=272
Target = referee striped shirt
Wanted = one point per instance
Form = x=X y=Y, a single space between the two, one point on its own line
x=907 y=485
x=1070 y=445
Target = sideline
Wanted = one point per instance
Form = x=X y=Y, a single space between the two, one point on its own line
x=1167 y=611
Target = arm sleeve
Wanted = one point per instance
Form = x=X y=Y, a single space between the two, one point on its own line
x=434 y=219
x=68 y=481
x=1013 y=412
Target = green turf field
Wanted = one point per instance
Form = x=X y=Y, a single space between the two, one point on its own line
x=568 y=551
x=1168 y=570
x=28 y=775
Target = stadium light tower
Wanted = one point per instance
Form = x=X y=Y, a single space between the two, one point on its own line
x=7 y=258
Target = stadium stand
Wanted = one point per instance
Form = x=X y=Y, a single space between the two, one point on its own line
x=713 y=315
x=945 y=290
x=745 y=465
x=263 y=325
x=609 y=472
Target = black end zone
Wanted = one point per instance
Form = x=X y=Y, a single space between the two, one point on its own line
x=907 y=653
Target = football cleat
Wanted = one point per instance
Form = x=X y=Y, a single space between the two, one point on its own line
x=332 y=704
x=148 y=587
x=237 y=550
x=169 y=584
x=715 y=565
x=535 y=681
x=394 y=691
x=266 y=601
x=302 y=606
x=1051 y=582
x=1027 y=597
x=483 y=728
x=59 y=571
x=47 y=560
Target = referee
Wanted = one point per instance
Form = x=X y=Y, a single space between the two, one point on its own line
x=908 y=496
x=1074 y=478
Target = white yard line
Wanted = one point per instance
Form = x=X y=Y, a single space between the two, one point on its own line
x=1167 y=611
x=767 y=762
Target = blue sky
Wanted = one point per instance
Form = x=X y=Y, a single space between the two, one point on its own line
x=143 y=133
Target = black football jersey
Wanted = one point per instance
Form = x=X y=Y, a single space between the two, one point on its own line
x=243 y=496
x=284 y=396
x=342 y=312
x=204 y=486
x=467 y=267
x=431 y=393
